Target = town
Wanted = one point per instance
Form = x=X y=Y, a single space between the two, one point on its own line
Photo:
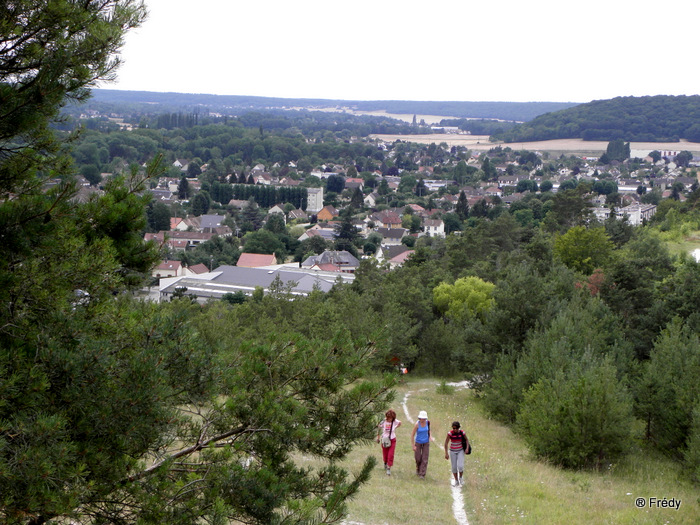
x=435 y=194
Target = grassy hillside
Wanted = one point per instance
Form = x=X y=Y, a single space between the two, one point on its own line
x=504 y=484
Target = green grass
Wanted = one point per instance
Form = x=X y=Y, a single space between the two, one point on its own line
x=687 y=244
x=503 y=482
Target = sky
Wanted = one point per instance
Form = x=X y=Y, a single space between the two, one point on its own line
x=437 y=50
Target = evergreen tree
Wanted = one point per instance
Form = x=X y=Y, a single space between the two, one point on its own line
x=183 y=189
x=462 y=206
x=346 y=234
x=114 y=410
x=580 y=418
x=158 y=216
x=356 y=201
x=200 y=204
x=669 y=390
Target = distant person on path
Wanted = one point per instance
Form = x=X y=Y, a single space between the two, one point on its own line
x=454 y=451
x=421 y=438
x=386 y=435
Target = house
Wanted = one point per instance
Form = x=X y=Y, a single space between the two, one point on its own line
x=387 y=252
x=170 y=183
x=289 y=182
x=327 y=213
x=181 y=164
x=392 y=236
x=628 y=185
x=177 y=223
x=316 y=230
x=192 y=223
x=208 y=223
x=196 y=269
x=332 y=261
x=494 y=191
x=177 y=240
x=168 y=269
x=299 y=215
x=262 y=178
x=354 y=182
x=400 y=259
x=238 y=204
x=191 y=238
x=602 y=213
x=256 y=260
x=162 y=195
x=385 y=219
x=277 y=208
x=372 y=199
x=434 y=227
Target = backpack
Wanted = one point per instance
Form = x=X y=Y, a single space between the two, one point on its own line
x=466 y=446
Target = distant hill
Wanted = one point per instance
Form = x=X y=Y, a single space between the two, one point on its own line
x=154 y=102
x=659 y=118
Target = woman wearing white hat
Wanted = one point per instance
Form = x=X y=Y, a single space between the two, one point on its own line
x=421 y=438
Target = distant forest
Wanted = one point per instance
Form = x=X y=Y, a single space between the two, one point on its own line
x=659 y=118
x=146 y=102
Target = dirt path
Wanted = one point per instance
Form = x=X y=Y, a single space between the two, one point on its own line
x=457 y=499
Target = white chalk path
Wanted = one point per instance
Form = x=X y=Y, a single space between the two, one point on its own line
x=457 y=500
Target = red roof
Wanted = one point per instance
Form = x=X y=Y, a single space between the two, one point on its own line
x=169 y=265
x=198 y=268
x=255 y=260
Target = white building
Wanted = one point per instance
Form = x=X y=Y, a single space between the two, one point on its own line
x=314 y=202
x=637 y=213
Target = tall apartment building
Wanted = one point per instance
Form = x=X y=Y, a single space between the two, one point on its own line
x=314 y=202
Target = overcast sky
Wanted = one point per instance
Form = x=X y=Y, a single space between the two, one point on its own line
x=462 y=50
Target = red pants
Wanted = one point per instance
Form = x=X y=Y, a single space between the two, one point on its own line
x=388 y=453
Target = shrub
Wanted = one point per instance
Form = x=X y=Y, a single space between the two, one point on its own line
x=579 y=419
x=444 y=389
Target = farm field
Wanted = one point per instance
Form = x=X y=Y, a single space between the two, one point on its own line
x=558 y=146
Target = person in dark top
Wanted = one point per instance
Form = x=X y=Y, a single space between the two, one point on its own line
x=454 y=451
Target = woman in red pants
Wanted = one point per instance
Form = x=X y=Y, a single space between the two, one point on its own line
x=386 y=435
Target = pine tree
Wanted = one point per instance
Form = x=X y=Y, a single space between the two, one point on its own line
x=462 y=206
x=114 y=410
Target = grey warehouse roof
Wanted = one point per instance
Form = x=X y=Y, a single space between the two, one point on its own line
x=231 y=279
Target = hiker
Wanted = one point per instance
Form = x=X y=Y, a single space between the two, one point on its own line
x=455 y=447
x=386 y=435
x=421 y=438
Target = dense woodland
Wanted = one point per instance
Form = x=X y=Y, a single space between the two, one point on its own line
x=660 y=118
x=581 y=335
